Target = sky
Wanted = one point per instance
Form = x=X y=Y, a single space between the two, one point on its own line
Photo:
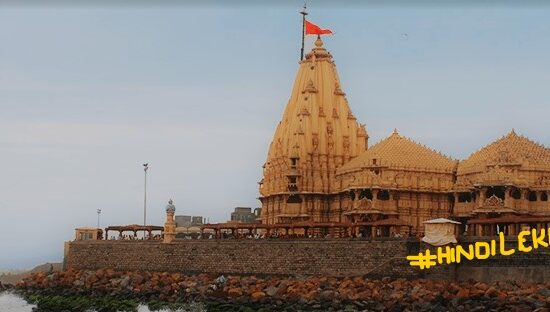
x=89 y=93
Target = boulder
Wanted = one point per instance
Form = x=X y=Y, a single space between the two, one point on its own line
x=327 y=295
x=257 y=296
x=271 y=291
x=234 y=292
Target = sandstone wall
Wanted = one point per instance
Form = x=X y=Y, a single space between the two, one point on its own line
x=269 y=257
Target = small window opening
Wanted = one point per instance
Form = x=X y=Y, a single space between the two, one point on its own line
x=383 y=195
x=516 y=193
x=532 y=196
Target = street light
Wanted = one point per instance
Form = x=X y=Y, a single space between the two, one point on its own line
x=98 y=213
x=145 y=168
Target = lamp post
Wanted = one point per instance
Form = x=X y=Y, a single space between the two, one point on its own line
x=98 y=213
x=145 y=168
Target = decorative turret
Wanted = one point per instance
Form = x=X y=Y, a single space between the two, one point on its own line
x=170 y=225
x=318 y=120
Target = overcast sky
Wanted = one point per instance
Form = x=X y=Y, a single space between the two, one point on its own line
x=88 y=94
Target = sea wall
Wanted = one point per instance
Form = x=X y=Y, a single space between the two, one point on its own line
x=324 y=257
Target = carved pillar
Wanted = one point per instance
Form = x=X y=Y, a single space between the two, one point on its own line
x=525 y=199
x=356 y=194
x=507 y=191
x=481 y=197
x=375 y=198
x=303 y=204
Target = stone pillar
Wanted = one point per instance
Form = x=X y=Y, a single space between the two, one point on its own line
x=374 y=198
x=507 y=191
x=525 y=199
x=455 y=198
x=170 y=225
x=481 y=198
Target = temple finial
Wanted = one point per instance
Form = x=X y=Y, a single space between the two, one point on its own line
x=318 y=42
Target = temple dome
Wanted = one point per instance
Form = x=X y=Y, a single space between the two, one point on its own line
x=399 y=152
x=510 y=150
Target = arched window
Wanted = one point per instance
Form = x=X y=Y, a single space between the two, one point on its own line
x=383 y=195
x=464 y=197
x=532 y=196
x=294 y=199
x=366 y=194
x=516 y=193
x=498 y=191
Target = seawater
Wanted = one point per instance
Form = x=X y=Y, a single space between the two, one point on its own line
x=10 y=302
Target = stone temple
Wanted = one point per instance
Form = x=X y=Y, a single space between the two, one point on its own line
x=320 y=169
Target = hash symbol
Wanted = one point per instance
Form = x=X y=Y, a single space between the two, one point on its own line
x=422 y=261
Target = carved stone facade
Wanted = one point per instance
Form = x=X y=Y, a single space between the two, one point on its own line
x=319 y=168
x=396 y=179
x=504 y=186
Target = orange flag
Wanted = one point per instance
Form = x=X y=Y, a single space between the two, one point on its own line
x=312 y=29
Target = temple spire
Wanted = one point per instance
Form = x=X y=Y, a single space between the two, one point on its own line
x=316 y=135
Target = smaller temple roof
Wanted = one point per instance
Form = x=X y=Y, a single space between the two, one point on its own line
x=510 y=149
x=397 y=151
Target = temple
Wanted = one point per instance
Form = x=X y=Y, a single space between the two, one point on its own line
x=321 y=174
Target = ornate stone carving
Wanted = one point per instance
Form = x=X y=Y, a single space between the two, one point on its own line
x=310 y=88
x=362 y=204
x=493 y=201
x=315 y=140
x=346 y=144
x=338 y=90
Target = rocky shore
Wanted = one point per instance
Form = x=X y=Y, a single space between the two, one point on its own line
x=292 y=293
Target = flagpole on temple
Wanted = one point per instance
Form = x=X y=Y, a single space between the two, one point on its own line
x=304 y=13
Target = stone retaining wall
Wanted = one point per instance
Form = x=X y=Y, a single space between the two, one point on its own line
x=325 y=257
